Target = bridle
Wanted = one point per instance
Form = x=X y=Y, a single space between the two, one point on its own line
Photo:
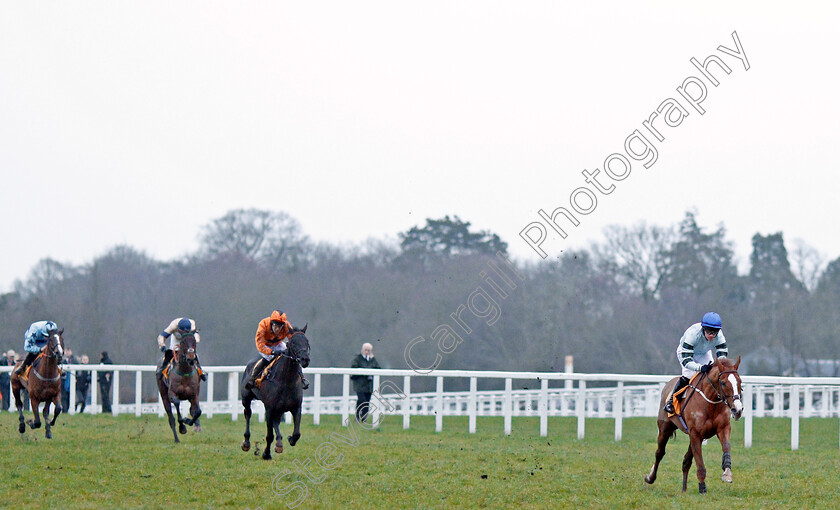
x=190 y=361
x=290 y=350
x=721 y=394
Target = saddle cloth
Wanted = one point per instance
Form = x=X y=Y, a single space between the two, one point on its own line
x=677 y=401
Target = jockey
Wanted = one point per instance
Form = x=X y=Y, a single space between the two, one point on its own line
x=35 y=339
x=271 y=336
x=695 y=351
x=176 y=329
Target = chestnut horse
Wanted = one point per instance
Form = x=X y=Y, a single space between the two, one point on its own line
x=43 y=384
x=182 y=383
x=706 y=408
x=280 y=391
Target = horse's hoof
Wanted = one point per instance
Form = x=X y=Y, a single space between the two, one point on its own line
x=48 y=435
x=197 y=428
x=647 y=479
x=726 y=476
x=22 y=428
x=182 y=429
x=278 y=448
x=266 y=455
x=293 y=440
x=246 y=445
x=702 y=487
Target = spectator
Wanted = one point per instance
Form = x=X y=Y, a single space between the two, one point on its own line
x=6 y=360
x=105 y=380
x=363 y=384
x=69 y=359
x=82 y=385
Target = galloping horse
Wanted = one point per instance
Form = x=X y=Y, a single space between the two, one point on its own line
x=43 y=384
x=716 y=396
x=181 y=384
x=280 y=391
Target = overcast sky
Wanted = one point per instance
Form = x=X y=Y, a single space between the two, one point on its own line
x=138 y=122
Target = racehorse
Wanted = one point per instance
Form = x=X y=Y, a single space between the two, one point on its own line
x=705 y=412
x=43 y=384
x=281 y=391
x=182 y=383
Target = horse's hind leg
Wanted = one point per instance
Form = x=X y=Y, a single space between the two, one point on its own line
x=666 y=429
x=278 y=447
x=686 y=465
x=19 y=405
x=269 y=435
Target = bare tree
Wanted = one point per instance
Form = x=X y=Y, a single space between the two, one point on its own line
x=636 y=255
x=807 y=264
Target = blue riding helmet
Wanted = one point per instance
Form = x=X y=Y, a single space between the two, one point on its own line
x=712 y=320
x=185 y=325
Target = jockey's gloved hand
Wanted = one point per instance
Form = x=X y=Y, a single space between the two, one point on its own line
x=162 y=348
x=279 y=349
x=705 y=368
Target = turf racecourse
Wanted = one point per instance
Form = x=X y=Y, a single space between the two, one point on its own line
x=126 y=462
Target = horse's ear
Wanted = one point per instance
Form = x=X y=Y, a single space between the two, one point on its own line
x=304 y=327
x=60 y=331
x=737 y=362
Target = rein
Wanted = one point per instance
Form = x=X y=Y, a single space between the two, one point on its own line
x=720 y=395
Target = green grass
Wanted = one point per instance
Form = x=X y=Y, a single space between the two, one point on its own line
x=127 y=462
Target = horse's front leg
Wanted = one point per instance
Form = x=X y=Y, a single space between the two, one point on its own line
x=269 y=435
x=58 y=409
x=666 y=428
x=697 y=451
x=246 y=443
x=195 y=412
x=35 y=404
x=686 y=466
x=181 y=427
x=726 y=463
x=293 y=439
x=47 y=423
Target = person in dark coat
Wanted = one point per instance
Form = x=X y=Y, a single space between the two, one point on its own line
x=82 y=386
x=105 y=380
x=363 y=384
x=7 y=359
x=69 y=359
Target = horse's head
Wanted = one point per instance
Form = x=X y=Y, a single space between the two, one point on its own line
x=727 y=382
x=186 y=347
x=299 y=346
x=55 y=345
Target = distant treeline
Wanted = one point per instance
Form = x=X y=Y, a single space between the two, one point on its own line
x=619 y=306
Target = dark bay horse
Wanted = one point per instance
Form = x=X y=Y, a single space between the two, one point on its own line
x=281 y=391
x=43 y=384
x=182 y=383
x=706 y=408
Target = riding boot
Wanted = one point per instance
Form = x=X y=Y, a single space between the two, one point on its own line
x=669 y=405
x=30 y=357
x=255 y=373
x=201 y=373
x=167 y=357
x=303 y=379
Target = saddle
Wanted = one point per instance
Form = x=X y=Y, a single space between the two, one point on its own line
x=265 y=371
x=677 y=401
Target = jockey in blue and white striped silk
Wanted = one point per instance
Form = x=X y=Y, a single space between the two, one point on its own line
x=695 y=351
x=35 y=339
